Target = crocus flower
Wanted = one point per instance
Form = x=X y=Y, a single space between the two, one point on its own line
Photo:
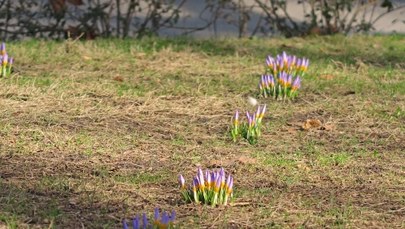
x=304 y=65
x=228 y=190
x=161 y=221
x=156 y=214
x=208 y=179
x=236 y=119
x=145 y=221
x=3 y=49
x=200 y=177
x=222 y=174
x=195 y=187
x=216 y=188
x=270 y=61
x=4 y=63
x=135 y=222
x=263 y=81
x=285 y=69
x=296 y=84
x=213 y=179
x=250 y=130
x=270 y=80
x=299 y=63
x=235 y=126
x=182 y=181
x=289 y=80
x=5 y=60
x=261 y=115
x=124 y=224
x=284 y=58
x=164 y=220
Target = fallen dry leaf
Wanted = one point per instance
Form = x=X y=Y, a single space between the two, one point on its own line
x=118 y=78
x=311 y=124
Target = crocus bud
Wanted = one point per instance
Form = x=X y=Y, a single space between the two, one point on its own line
x=145 y=221
x=135 y=222
x=296 y=84
x=182 y=181
x=5 y=59
x=124 y=224
x=3 y=49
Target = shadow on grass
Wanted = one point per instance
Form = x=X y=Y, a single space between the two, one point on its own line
x=26 y=207
x=374 y=50
x=50 y=200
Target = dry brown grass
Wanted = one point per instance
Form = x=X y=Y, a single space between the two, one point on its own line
x=100 y=134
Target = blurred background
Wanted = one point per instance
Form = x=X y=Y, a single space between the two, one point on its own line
x=88 y=19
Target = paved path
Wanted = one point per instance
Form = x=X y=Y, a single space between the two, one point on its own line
x=191 y=17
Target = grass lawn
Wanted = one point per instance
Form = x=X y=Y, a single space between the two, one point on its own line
x=94 y=132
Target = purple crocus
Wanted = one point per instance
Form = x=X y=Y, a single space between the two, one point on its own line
x=229 y=185
x=156 y=214
x=3 y=49
x=195 y=187
x=182 y=181
x=248 y=115
x=258 y=111
x=263 y=81
x=124 y=224
x=218 y=183
x=135 y=222
x=262 y=112
x=304 y=64
x=296 y=84
x=228 y=181
x=236 y=119
x=289 y=79
x=145 y=221
x=293 y=61
x=228 y=189
x=222 y=175
x=270 y=79
x=200 y=178
x=213 y=179
x=5 y=59
x=165 y=219
x=173 y=216
x=208 y=179
x=282 y=78
x=270 y=61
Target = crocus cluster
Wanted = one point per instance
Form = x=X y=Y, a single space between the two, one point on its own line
x=5 y=61
x=211 y=188
x=163 y=221
x=250 y=130
x=283 y=76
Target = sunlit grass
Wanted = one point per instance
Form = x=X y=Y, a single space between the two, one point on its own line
x=94 y=132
